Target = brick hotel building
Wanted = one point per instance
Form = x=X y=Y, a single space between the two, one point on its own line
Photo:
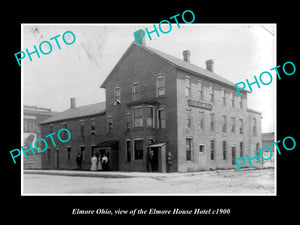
x=159 y=102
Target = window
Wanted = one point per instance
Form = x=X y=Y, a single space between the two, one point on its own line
x=212 y=149
x=135 y=92
x=160 y=86
x=51 y=128
x=241 y=102
x=254 y=127
x=64 y=125
x=232 y=99
x=187 y=87
x=161 y=118
x=93 y=126
x=109 y=124
x=212 y=122
x=211 y=93
x=189 y=117
x=128 y=119
x=81 y=127
x=128 y=150
x=242 y=149
x=224 y=145
x=201 y=148
x=117 y=96
x=201 y=113
x=150 y=117
x=241 y=126
x=232 y=124
x=224 y=123
x=138 y=149
x=68 y=153
x=189 y=148
x=224 y=96
x=138 y=117
x=200 y=91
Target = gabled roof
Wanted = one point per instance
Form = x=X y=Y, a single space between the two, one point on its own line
x=179 y=63
x=81 y=111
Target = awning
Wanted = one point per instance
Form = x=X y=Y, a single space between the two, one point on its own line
x=155 y=145
x=107 y=143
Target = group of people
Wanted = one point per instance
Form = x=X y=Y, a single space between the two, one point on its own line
x=97 y=163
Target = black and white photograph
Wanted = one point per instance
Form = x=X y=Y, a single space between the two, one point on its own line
x=149 y=109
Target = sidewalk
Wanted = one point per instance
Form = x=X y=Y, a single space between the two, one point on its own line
x=103 y=174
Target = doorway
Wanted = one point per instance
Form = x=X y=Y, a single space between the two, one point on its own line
x=153 y=159
x=233 y=154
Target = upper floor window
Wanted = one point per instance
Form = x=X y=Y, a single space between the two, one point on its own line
x=135 y=91
x=81 y=127
x=241 y=126
x=160 y=86
x=200 y=90
x=187 y=87
x=224 y=96
x=232 y=124
x=117 y=95
x=241 y=102
x=109 y=124
x=211 y=93
x=150 y=117
x=93 y=126
x=232 y=99
x=138 y=117
x=224 y=123
x=64 y=125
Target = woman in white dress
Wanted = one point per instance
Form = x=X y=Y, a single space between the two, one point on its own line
x=94 y=163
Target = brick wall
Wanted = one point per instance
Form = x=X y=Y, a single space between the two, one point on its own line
x=49 y=157
x=202 y=160
x=142 y=67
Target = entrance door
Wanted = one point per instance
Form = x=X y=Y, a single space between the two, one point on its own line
x=153 y=159
x=233 y=150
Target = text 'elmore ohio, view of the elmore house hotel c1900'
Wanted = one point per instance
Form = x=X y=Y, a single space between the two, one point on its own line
x=163 y=103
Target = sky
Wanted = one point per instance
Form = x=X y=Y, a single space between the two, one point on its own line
x=239 y=51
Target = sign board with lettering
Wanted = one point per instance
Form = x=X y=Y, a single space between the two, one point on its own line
x=197 y=104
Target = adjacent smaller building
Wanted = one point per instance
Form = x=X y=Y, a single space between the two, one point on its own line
x=85 y=136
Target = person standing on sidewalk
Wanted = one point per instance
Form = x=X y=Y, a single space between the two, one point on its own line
x=104 y=162
x=78 y=161
x=170 y=158
x=94 y=163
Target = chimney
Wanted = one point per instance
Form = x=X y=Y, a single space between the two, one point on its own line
x=210 y=65
x=186 y=55
x=137 y=37
x=73 y=103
